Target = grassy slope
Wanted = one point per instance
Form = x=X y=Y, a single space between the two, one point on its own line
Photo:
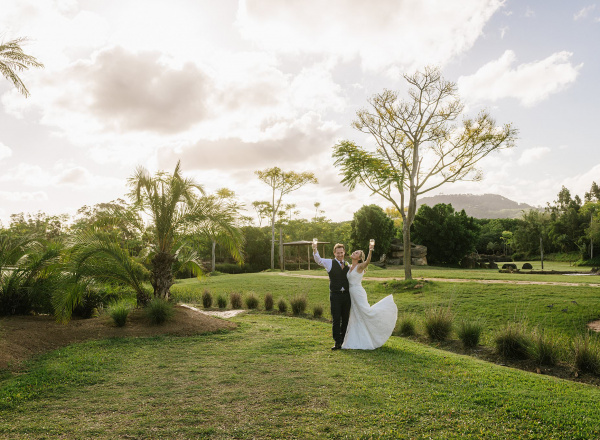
x=276 y=378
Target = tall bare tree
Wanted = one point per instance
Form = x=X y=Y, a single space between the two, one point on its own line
x=419 y=147
x=13 y=60
x=282 y=183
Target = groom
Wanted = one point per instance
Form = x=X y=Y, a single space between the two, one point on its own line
x=339 y=291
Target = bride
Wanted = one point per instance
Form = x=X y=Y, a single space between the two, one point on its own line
x=369 y=326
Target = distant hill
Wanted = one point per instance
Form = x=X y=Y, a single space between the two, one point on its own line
x=479 y=206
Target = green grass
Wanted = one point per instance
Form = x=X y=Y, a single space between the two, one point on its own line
x=275 y=377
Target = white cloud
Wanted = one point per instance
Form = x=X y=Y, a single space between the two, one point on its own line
x=382 y=36
x=4 y=151
x=18 y=196
x=581 y=183
x=529 y=83
x=583 y=12
x=532 y=155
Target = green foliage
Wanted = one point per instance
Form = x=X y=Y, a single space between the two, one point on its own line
x=159 y=311
x=587 y=354
x=298 y=303
x=13 y=60
x=469 y=332
x=448 y=235
x=235 y=299
x=438 y=323
x=119 y=312
x=546 y=349
x=371 y=221
x=490 y=231
x=207 y=299
x=282 y=305
x=317 y=310
x=221 y=301
x=513 y=341
x=251 y=301
x=268 y=302
x=407 y=326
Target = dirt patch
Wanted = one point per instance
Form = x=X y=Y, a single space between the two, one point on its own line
x=595 y=325
x=24 y=336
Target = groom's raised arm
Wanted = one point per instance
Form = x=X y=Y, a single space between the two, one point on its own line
x=325 y=262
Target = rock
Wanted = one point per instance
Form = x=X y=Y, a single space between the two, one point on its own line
x=509 y=266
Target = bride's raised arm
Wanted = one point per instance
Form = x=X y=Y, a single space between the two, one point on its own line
x=362 y=266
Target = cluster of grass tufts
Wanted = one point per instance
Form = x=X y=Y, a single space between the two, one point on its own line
x=298 y=304
x=438 y=323
x=586 y=352
x=318 y=311
x=251 y=301
x=282 y=305
x=236 y=300
x=207 y=299
x=406 y=326
x=221 y=302
x=268 y=302
x=159 y=311
x=513 y=342
x=545 y=349
x=119 y=312
x=469 y=332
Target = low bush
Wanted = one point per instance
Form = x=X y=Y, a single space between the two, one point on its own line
x=235 y=299
x=406 y=326
x=221 y=301
x=469 y=332
x=159 y=311
x=586 y=354
x=207 y=299
x=282 y=305
x=251 y=301
x=298 y=304
x=318 y=311
x=545 y=349
x=513 y=342
x=268 y=302
x=438 y=323
x=119 y=312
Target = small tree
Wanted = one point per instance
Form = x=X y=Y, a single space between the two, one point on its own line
x=282 y=183
x=371 y=222
x=418 y=147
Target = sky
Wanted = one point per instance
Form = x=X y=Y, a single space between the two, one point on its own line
x=231 y=87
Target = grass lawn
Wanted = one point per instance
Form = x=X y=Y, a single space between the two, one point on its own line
x=275 y=377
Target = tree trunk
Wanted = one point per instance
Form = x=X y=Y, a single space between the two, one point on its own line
x=407 y=250
x=161 y=275
x=213 y=261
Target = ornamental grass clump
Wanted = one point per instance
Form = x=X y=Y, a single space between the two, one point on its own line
x=512 y=342
x=469 y=332
x=318 y=311
x=119 y=312
x=586 y=353
x=438 y=323
x=545 y=349
x=298 y=304
x=236 y=300
x=159 y=311
x=251 y=301
x=207 y=299
x=406 y=326
x=268 y=302
x=221 y=301
x=282 y=305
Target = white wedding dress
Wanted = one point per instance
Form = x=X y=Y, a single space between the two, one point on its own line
x=369 y=326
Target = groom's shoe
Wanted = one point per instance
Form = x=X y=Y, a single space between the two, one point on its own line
x=336 y=347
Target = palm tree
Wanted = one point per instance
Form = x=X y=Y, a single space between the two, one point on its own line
x=179 y=210
x=13 y=59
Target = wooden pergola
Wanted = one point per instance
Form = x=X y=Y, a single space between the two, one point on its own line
x=308 y=244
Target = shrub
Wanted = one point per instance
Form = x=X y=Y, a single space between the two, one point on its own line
x=469 y=332
x=318 y=311
x=512 y=342
x=119 y=312
x=251 y=301
x=159 y=311
x=586 y=354
x=438 y=323
x=545 y=350
x=298 y=304
x=407 y=326
x=268 y=302
x=282 y=305
x=221 y=301
x=207 y=299
x=236 y=300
